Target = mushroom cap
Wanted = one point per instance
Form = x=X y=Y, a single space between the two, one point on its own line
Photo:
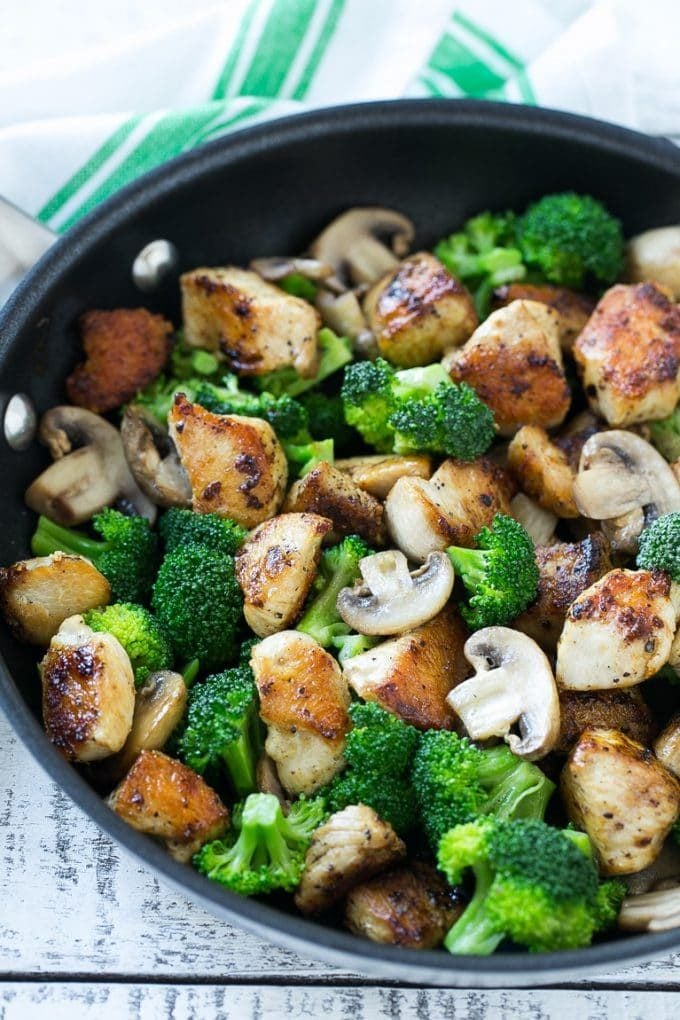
x=392 y=600
x=655 y=255
x=277 y=267
x=653 y=911
x=153 y=459
x=353 y=245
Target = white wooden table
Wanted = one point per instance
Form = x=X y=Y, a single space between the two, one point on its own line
x=87 y=933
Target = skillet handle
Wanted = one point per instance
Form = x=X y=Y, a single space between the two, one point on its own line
x=22 y=241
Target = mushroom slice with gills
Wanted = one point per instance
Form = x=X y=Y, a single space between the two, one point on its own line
x=658 y=910
x=655 y=255
x=377 y=473
x=276 y=567
x=153 y=459
x=89 y=471
x=278 y=267
x=37 y=595
x=391 y=599
x=514 y=684
x=362 y=244
x=343 y=314
x=162 y=797
x=618 y=632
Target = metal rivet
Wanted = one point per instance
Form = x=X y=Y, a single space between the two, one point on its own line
x=20 y=421
x=154 y=262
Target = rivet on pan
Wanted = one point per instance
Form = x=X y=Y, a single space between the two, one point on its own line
x=20 y=421
x=154 y=262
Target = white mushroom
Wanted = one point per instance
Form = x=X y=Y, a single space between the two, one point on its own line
x=153 y=459
x=343 y=314
x=392 y=600
x=513 y=684
x=362 y=244
x=539 y=523
x=653 y=911
x=655 y=255
x=278 y=267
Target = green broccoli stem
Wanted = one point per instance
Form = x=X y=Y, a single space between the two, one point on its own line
x=321 y=619
x=262 y=832
x=240 y=756
x=349 y=645
x=474 y=933
x=191 y=671
x=470 y=564
x=520 y=790
x=50 y=537
x=418 y=382
x=304 y=458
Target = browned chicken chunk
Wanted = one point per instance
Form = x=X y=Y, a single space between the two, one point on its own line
x=543 y=470
x=257 y=326
x=377 y=474
x=622 y=796
x=573 y=309
x=629 y=354
x=125 y=349
x=37 y=595
x=411 y=906
x=625 y=711
x=353 y=845
x=236 y=465
x=326 y=491
x=514 y=362
x=419 y=311
x=162 y=797
x=412 y=674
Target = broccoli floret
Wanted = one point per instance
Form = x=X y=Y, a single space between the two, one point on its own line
x=500 y=575
x=665 y=436
x=326 y=415
x=334 y=352
x=338 y=568
x=222 y=728
x=299 y=286
x=303 y=458
x=660 y=545
x=142 y=636
x=127 y=556
x=533 y=884
x=455 y=782
x=571 y=240
x=484 y=255
x=379 y=752
x=192 y=362
x=178 y=527
x=158 y=397
x=286 y=416
x=198 y=599
x=348 y=645
x=368 y=399
x=266 y=849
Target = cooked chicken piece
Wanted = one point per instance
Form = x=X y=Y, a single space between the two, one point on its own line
x=377 y=474
x=573 y=309
x=566 y=570
x=276 y=566
x=88 y=692
x=37 y=595
x=629 y=354
x=125 y=349
x=412 y=674
x=353 y=845
x=542 y=470
x=411 y=906
x=514 y=362
x=257 y=326
x=303 y=700
x=667 y=746
x=450 y=509
x=162 y=797
x=236 y=465
x=618 y=632
x=331 y=493
x=625 y=711
x=418 y=311
x=617 y=791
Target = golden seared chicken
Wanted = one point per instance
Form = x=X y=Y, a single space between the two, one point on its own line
x=543 y=470
x=276 y=566
x=303 y=701
x=37 y=595
x=629 y=354
x=256 y=326
x=353 y=845
x=618 y=632
x=236 y=465
x=409 y=906
x=164 y=798
x=625 y=711
x=514 y=362
x=419 y=311
x=667 y=746
x=449 y=509
x=573 y=309
x=411 y=675
x=88 y=692
x=377 y=473
x=331 y=493
x=622 y=796
x=566 y=570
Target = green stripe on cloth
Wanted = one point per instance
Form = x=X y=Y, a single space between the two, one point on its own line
x=516 y=67
x=455 y=61
x=325 y=36
x=223 y=82
x=278 y=45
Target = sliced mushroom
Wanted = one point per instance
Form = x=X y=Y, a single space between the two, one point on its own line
x=623 y=481
x=278 y=267
x=392 y=600
x=89 y=471
x=655 y=255
x=342 y=313
x=652 y=911
x=153 y=459
x=377 y=473
x=513 y=684
x=362 y=244
x=539 y=523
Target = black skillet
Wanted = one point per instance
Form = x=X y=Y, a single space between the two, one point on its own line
x=268 y=190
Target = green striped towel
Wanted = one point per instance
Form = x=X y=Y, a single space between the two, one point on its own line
x=181 y=81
